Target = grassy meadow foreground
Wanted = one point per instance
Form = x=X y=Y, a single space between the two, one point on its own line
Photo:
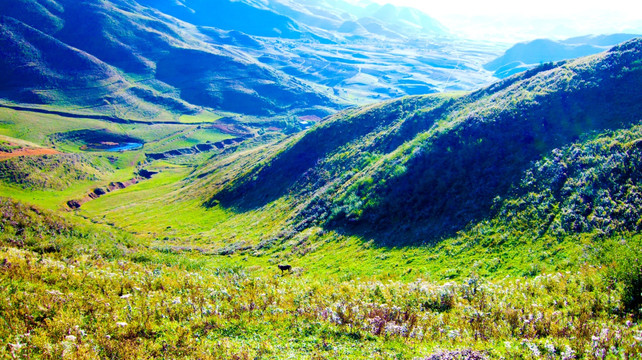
x=498 y=224
x=75 y=290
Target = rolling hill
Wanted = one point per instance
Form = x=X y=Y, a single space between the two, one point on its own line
x=422 y=168
x=135 y=60
x=502 y=223
x=164 y=59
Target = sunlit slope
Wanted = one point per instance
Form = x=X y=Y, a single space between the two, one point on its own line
x=421 y=168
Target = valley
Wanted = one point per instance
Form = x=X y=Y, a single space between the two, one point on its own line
x=429 y=197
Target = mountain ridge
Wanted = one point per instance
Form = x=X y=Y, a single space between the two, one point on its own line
x=446 y=158
x=300 y=68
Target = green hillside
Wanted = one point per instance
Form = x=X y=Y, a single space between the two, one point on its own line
x=434 y=164
x=502 y=223
x=127 y=60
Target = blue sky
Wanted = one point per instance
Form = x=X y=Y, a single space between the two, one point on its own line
x=515 y=20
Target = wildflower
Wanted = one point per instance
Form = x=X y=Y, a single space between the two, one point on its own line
x=604 y=334
x=70 y=338
x=126 y=296
x=417 y=333
x=17 y=346
x=121 y=324
x=600 y=353
x=568 y=353
x=550 y=348
x=533 y=348
x=377 y=324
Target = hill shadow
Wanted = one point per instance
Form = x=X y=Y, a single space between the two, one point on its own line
x=281 y=174
x=455 y=181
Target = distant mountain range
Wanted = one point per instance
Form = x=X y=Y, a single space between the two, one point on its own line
x=163 y=58
x=526 y=55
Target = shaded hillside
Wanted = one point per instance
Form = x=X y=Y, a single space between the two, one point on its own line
x=106 y=45
x=31 y=61
x=162 y=59
x=527 y=55
x=426 y=167
x=241 y=15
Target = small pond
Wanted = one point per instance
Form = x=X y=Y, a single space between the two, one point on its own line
x=101 y=140
x=125 y=147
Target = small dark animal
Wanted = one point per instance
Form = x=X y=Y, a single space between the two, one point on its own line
x=285 y=267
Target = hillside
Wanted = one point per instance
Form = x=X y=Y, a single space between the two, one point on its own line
x=418 y=169
x=526 y=55
x=135 y=61
x=497 y=224
x=502 y=223
x=162 y=59
x=76 y=289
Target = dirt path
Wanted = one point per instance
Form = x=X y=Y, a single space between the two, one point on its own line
x=27 y=152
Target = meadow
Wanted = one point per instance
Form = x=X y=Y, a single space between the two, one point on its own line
x=73 y=289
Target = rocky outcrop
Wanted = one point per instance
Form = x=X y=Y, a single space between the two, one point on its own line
x=113 y=186
x=220 y=145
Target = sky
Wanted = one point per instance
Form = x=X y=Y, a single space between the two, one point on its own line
x=502 y=20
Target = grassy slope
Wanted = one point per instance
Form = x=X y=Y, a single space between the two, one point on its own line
x=271 y=218
x=74 y=289
x=130 y=61
x=72 y=176
x=422 y=168
x=570 y=285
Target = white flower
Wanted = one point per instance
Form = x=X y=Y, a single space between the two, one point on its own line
x=533 y=348
x=550 y=348
x=121 y=324
x=70 y=338
x=453 y=334
x=126 y=296
x=568 y=353
x=604 y=333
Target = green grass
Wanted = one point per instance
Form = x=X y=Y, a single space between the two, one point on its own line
x=186 y=138
x=38 y=128
x=200 y=118
x=184 y=265
x=159 y=209
x=87 y=291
